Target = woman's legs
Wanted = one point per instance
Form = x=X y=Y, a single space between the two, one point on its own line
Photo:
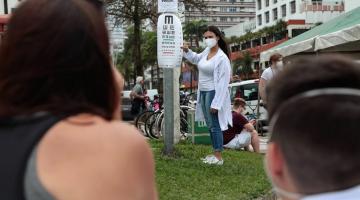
x=212 y=122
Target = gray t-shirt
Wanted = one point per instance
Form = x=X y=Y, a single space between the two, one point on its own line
x=34 y=190
x=138 y=89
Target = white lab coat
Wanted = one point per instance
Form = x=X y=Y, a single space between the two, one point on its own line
x=222 y=73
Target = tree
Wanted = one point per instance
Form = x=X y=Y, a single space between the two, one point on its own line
x=195 y=30
x=246 y=68
x=135 y=12
x=148 y=57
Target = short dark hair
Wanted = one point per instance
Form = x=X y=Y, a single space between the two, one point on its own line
x=318 y=136
x=55 y=58
x=222 y=43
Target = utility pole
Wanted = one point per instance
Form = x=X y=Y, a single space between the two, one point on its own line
x=6 y=7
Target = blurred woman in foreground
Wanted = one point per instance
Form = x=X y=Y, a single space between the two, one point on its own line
x=59 y=137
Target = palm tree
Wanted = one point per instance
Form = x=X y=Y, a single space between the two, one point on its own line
x=195 y=30
x=246 y=68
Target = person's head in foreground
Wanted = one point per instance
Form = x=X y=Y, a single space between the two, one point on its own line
x=58 y=104
x=314 y=113
x=56 y=53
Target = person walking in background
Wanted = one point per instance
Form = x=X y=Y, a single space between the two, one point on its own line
x=138 y=96
x=59 y=102
x=313 y=152
x=213 y=95
x=242 y=133
x=276 y=65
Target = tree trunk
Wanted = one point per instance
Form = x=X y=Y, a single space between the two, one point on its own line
x=137 y=41
x=152 y=75
x=197 y=42
x=158 y=77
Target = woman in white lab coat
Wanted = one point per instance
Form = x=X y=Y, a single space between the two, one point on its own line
x=213 y=101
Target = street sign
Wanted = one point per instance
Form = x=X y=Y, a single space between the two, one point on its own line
x=169 y=41
x=167 y=6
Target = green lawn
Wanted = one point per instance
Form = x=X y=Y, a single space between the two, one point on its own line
x=185 y=177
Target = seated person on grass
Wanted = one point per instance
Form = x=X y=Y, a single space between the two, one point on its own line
x=243 y=133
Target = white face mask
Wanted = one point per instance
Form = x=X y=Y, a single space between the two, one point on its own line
x=210 y=42
x=280 y=65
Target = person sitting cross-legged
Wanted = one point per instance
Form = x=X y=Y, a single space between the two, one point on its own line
x=243 y=133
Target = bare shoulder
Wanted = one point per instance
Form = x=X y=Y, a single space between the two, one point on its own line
x=84 y=161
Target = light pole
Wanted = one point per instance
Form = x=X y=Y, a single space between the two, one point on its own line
x=6 y=7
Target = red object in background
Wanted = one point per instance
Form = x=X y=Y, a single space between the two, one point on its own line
x=4 y=19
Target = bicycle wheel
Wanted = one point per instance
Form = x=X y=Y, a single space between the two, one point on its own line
x=150 y=122
x=184 y=128
x=140 y=122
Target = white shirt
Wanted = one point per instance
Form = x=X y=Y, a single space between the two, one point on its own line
x=348 y=194
x=268 y=74
x=221 y=77
x=206 y=74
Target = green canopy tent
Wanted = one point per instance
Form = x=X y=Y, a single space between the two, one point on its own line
x=341 y=35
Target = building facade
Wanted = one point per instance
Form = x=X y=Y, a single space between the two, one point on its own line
x=8 y=6
x=293 y=16
x=351 y=4
x=223 y=13
x=268 y=12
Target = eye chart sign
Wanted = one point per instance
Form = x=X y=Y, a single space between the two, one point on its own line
x=169 y=6
x=169 y=41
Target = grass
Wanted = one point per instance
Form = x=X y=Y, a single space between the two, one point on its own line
x=183 y=176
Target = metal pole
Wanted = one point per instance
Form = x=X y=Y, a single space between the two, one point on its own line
x=169 y=114
x=6 y=11
x=171 y=105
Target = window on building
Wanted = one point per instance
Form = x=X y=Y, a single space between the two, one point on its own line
x=223 y=19
x=267 y=17
x=292 y=7
x=223 y=9
x=283 y=10
x=232 y=9
x=267 y=3
x=259 y=4
x=316 y=2
x=214 y=19
x=259 y=19
x=275 y=14
x=275 y=1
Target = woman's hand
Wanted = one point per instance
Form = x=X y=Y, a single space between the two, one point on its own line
x=185 y=47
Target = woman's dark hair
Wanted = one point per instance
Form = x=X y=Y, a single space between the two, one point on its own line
x=55 y=58
x=222 y=44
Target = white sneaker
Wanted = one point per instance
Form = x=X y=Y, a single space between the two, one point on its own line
x=207 y=157
x=213 y=161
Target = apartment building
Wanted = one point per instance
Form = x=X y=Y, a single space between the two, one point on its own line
x=268 y=12
x=223 y=13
